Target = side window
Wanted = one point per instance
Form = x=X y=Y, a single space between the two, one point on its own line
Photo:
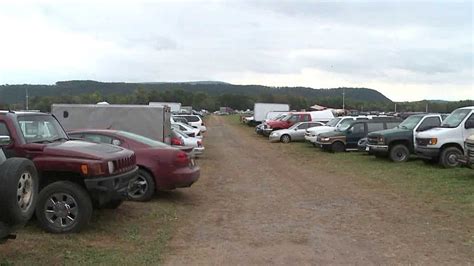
x=182 y=128
x=293 y=118
x=469 y=122
x=307 y=118
x=371 y=127
x=98 y=138
x=76 y=135
x=313 y=125
x=4 y=134
x=358 y=128
x=428 y=123
x=303 y=126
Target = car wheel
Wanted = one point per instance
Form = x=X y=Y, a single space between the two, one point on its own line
x=142 y=187
x=448 y=157
x=399 y=153
x=63 y=207
x=285 y=139
x=18 y=190
x=338 y=147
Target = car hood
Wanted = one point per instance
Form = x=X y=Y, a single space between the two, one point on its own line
x=332 y=134
x=283 y=131
x=320 y=129
x=435 y=132
x=390 y=132
x=78 y=149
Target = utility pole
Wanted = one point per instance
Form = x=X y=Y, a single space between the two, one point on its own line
x=343 y=98
x=27 y=100
x=426 y=108
x=395 y=107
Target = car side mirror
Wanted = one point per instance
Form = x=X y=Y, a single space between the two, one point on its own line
x=469 y=124
x=5 y=140
x=116 y=142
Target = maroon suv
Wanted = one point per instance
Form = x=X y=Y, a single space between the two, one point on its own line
x=74 y=176
x=162 y=167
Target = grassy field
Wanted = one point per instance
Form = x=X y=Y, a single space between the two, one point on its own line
x=135 y=233
x=452 y=190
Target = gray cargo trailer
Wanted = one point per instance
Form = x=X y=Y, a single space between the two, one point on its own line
x=150 y=121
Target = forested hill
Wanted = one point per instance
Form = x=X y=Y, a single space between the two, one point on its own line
x=11 y=94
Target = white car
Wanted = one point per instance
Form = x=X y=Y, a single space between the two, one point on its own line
x=188 y=141
x=194 y=121
x=187 y=129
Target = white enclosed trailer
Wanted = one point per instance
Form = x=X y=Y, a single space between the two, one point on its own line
x=149 y=121
x=261 y=110
x=175 y=107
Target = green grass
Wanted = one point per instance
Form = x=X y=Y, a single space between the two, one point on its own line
x=135 y=234
x=451 y=189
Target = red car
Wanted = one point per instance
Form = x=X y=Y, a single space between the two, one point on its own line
x=161 y=167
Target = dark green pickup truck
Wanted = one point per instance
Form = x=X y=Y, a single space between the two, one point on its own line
x=398 y=143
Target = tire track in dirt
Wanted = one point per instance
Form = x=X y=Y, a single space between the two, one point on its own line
x=255 y=205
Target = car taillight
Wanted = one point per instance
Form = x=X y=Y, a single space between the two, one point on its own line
x=176 y=141
x=182 y=158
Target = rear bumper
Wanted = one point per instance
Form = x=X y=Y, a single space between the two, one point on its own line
x=198 y=150
x=427 y=153
x=183 y=177
x=106 y=189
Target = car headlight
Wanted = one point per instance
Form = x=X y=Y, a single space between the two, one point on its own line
x=433 y=141
x=325 y=139
x=111 y=166
x=380 y=140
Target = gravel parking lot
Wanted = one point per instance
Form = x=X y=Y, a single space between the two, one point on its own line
x=256 y=205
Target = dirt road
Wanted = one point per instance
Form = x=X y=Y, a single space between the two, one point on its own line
x=254 y=205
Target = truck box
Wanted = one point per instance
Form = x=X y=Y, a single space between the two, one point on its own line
x=149 y=121
x=262 y=109
x=175 y=107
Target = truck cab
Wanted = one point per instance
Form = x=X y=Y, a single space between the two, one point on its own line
x=398 y=143
x=446 y=142
x=73 y=175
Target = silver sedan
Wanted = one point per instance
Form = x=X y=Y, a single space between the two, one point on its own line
x=294 y=133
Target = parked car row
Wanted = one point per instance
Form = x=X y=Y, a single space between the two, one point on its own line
x=446 y=139
x=62 y=176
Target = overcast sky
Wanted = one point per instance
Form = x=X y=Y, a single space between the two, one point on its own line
x=406 y=50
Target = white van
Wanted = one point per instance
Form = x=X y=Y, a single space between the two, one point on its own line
x=445 y=143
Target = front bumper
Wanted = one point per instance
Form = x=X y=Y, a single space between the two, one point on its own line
x=323 y=145
x=106 y=189
x=427 y=153
x=311 y=138
x=274 y=138
x=378 y=148
x=267 y=131
x=465 y=160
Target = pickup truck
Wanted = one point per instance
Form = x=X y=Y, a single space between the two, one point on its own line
x=398 y=143
x=18 y=194
x=74 y=176
x=468 y=158
x=445 y=143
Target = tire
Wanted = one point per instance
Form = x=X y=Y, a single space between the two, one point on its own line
x=63 y=207
x=399 y=153
x=114 y=204
x=448 y=157
x=338 y=147
x=285 y=138
x=141 y=188
x=18 y=191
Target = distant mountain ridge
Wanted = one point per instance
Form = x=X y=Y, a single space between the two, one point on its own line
x=10 y=94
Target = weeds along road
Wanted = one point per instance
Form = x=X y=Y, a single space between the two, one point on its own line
x=257 y=205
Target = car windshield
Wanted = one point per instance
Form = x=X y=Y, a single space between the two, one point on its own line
x=410 y=122
x=142 y=139
x=286 y=118
x=333 y=122
x=41 y=128
x=455 y=118
x=344 y=125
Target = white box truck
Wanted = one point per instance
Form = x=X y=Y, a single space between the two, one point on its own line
x=175 y=107
x=149 y=121
x=260 y=110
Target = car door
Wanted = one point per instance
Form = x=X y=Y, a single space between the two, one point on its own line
x=298 y=134
x=468 y=127
x=354 y=134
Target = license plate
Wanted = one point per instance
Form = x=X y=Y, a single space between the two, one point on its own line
x=366 y=148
